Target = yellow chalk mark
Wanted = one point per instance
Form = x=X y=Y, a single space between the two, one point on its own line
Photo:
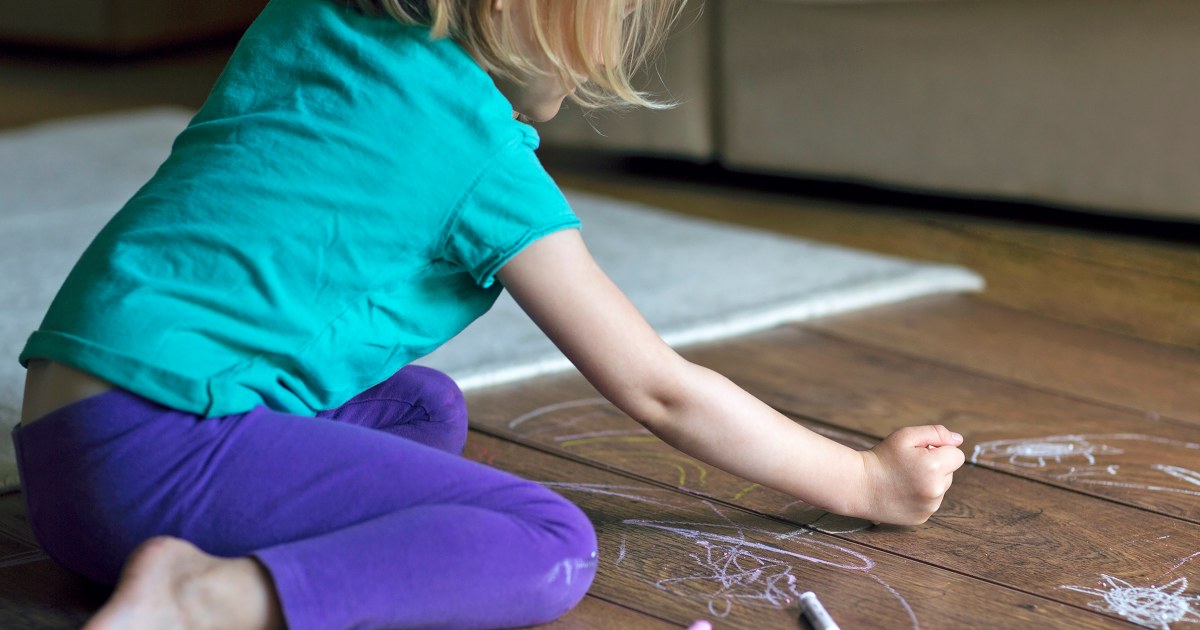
x=741 y=493
x=681 y=459
x=686 y=460
x=682 y=473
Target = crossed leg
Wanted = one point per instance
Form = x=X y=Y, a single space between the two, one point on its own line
x=325 y=524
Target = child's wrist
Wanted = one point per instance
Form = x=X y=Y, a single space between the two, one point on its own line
x=864 y=484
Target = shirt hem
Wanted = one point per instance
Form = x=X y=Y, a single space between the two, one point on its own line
x=164 y=387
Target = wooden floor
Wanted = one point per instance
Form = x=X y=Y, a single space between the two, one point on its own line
x=1075 y=378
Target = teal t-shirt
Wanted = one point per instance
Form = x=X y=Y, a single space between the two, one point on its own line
x=337 y=209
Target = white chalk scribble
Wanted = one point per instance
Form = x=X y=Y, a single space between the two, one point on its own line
x=550 y=409
x=736 y=570
x=1150 y=606
x=1034 y=453
x=1076 y=459
x=1180 y=473
x=733 y=564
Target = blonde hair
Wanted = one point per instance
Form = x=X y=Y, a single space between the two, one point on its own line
x=625 y=35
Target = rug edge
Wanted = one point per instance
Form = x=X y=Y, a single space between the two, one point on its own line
x=920 y=282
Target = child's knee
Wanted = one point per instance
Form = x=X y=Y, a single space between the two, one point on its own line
x=433 y=412
x=438 y=394
x=565 y=586
x=447 y=409
x=575 y=558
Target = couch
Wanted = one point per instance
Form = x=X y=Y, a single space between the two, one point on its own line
x=1088 y=104
x=121 y=27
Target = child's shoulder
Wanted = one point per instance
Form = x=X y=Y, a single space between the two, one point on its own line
x=332 y=61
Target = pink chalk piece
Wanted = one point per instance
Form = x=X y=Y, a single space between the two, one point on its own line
x=701 y=624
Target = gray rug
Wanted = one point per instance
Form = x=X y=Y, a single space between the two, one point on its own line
x=694 y=280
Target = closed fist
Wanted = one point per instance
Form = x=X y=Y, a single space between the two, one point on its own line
x=909 y=472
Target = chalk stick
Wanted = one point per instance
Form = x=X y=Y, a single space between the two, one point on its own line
x=815 y=613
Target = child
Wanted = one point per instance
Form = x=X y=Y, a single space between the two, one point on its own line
x=218 y=398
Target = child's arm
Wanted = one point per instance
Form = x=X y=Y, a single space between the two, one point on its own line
x=901 y=480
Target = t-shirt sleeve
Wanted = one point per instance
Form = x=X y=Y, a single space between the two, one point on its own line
x=512 y=204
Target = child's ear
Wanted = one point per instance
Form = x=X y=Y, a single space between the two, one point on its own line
x=497 y=5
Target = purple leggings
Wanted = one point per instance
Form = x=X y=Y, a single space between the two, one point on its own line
x=365 y=516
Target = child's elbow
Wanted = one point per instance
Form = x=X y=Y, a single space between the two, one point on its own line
x=653 y=413
x=658 y=399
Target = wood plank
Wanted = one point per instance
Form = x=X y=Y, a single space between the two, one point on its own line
x=594 y=612
x=993 y=526
x=1156 y=256
x=1061 y=284
x=1156 y=379
x=684 y=557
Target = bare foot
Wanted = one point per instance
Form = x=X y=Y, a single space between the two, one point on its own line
x=169 y=583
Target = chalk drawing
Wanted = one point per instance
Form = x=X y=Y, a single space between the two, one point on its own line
x=1181 y=562
x=1153 y=606
x=549 y=409
x=732 y=569
x=1136 y=486
x=609 y=439
x=1034 y=453
x=731 y=574
x=1181 y=473
x=595 y=434
x=741 y=493
x=1077 y=459
x=633 y=493
x=595 y=425
x=733 y=564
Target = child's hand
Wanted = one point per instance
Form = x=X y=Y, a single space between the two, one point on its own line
x=909 y=472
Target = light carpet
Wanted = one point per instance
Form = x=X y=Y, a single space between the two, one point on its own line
x=694 y=280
